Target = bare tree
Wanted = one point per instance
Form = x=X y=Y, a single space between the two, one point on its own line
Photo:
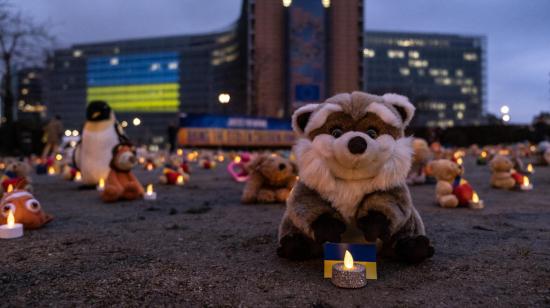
x=23 y=42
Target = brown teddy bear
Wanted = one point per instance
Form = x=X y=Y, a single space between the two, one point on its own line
x=17 y=174
x=271 y=179
x=501 y=168
x=121 y=184
x=451 y=189
x=421 y=156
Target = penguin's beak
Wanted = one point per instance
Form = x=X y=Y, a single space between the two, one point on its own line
x=95 y=115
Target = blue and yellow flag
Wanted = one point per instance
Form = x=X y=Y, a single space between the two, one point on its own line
x=364 y=254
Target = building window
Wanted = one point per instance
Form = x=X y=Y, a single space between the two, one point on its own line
x=173 y=65
x=155 y=67
x=413 y=54
x=396 y=54
x=368 y=53
x=114 y=61
x=77 y=53
x=404 y=71
x=470 y=56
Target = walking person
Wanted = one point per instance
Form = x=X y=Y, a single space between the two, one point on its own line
x=53 y=132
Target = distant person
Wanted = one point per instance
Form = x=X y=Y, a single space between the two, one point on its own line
x=52 y=133
x=172 y=132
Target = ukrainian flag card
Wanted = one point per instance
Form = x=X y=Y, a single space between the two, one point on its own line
x=364 y=254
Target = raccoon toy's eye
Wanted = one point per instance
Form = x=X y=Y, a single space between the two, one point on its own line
x=372 y=133
x=7 y=208
x=33 y=205
x=336 y=132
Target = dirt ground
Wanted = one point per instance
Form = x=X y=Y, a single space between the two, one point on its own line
x=197 y=246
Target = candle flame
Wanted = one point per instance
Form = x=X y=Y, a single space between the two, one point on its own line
x=11 y=219
x=51 y=170
x=348 y=260
x=180 y=179
x=237 y=159
x=525 y=181
x=150 y=189
x=101 y=183
x=180 y=152
x=221 y=158
x=459 y=161
x=530 y=168
x=483 y=154
x=78 y=176
x=149 y=167
x=10 y=188
x=58 y=157
x=475 y=198
x=533 y=148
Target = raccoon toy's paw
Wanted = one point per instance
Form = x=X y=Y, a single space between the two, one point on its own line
x=414 y=249
x=328 y=229
x=298 y=247
x=375 y=225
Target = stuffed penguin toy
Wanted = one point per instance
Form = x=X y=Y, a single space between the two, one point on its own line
x=353 y=159
x=100 y=134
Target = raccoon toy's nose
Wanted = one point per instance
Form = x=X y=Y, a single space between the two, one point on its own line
x=357 y=145
x=282 y=167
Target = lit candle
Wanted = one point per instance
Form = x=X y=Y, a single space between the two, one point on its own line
x=58 y=157
x=150 y=167
x=11 y=229
x=78 y=177
x=179 y=180
x=476 y=202
x=526 y=185
x=221 y=158
x=51 y=170
x=180 y=152
x=149 y=193
x=483 y=154
x=237 y=159
x=349 y=275
x=101 y=185
x=10 y=188
x=530 y=168
x=459 y=161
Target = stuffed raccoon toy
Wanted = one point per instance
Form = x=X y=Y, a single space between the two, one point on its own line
x=353 y=160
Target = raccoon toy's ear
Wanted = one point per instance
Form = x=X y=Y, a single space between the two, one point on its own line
x=301 y=116
x=402 y=105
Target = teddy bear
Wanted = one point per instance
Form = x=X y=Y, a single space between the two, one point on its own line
x=237 y=167
x=501 y=169
x=353 y=159
x=174 y=169
x=121 y=183
x=206 y=160
x=271 y=177
x=17 y=174
x=421 y=156
x=451 y=189
x=25 y=209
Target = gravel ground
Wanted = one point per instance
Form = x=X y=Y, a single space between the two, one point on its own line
x=196 y=245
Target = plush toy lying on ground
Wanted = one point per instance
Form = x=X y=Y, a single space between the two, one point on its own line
x=17 y=174
x=353 y=160
x=451 y=189
x=207 y=161
x=25 y=208
x=421 y=156
x=173 y=170
x=237 y=168
x=501 y=168
x=271 y=179
x=121 y=184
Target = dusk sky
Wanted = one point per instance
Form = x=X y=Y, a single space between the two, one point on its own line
x=518 y=32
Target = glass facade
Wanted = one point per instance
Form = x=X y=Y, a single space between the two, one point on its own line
x=443 y=75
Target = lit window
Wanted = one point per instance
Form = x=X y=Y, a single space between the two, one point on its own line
x=77 y=53
x=114 y=61
x=414 y=54
x=460 y=115
x=459 y=73
x=396 y=54
x=24 y=91
x=470 y=56
x=405 y=71
x=173 y=65
x=155 y=67
x=368 y=53
x=418 y=63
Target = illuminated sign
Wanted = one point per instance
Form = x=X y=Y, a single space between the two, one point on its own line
x=135 y=82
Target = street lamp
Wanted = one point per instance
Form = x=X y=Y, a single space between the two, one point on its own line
x=504 y=109
x=224 y=98
x=136 y=121
x=506 y=118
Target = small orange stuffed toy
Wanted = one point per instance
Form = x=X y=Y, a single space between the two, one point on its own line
x=25 y=208
x=121 y=183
